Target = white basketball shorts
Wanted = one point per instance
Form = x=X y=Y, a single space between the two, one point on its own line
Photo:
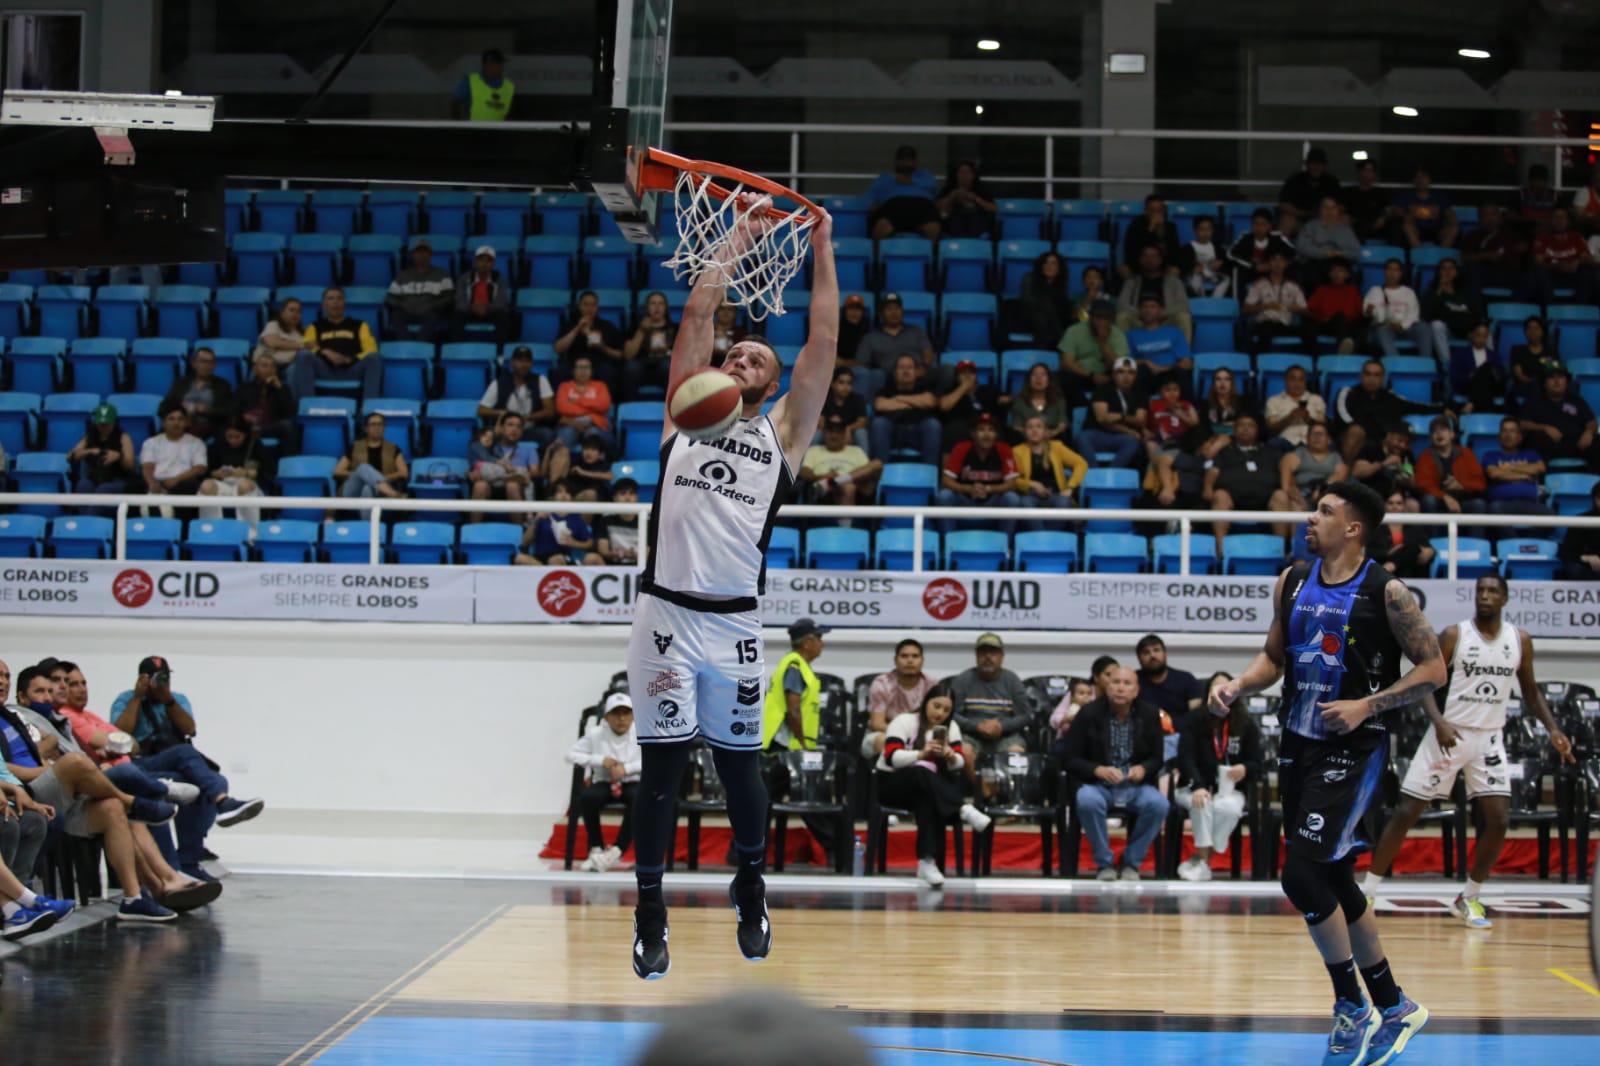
x=696 y=673
x=1480 y=754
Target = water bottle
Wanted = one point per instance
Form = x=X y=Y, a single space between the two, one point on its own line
x=858 y=866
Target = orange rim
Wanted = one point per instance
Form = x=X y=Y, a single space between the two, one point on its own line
x=659 y=173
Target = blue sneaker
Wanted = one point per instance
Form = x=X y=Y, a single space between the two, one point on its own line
x=144 y=908
x=151 y=812
x=59 y=907
x=233 y=811
x=1400 y=1024
x=1354 y=1026
x=27 y=921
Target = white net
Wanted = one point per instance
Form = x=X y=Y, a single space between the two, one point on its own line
x=756 y=254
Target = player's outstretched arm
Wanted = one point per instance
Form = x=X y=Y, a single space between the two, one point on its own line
x=1265 y=669
x=693 y=347
x=813 y=371
x=1533 y=699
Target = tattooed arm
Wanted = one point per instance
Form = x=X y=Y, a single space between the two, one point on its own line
x=1420 y=645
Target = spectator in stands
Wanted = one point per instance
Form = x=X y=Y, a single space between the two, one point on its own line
x=1048 y=472
x=1531 y=361
x=583 y=405
x=980 y=472
x=905 y=414
x=894 y=337
x=1309 y=186
x=1334 y=309
x=1426 y=214
x=1273 y=305
x=590 y=476
x=1302 y=472
x=1324 y=239
x=1118 y=421
x=266 y=402
x=1404 y=551
x=1158 y=349
x=1092 y=289
x=337 y=348
x=1114 y=752
x=1493 y=255
x=726 y=332
x=1387 y=464
x=1514 y=472
x=1173 y=421
x=238 y=466
x=1367 y=409
x=609 y=752
x=559 y=539
x=1172 y=691
x=284 y=336
x=1089 y=349
x=1046 y=307
x=373 y=466
x=484 y=96
x=616 y=536
x=837 y=471
x=1217 y=755
x=967 y=400
x=502 y=462
x=483 y=301
x=854 y=325
x=1080 y=692
x=111 y=749
x=1291 y=413
x=593 y=337
x=1367 y=205
x=919 y=770
x=1487 y=382
x=1040 y=397
x=1202 y=265
x=1151 y=229
x=1153 y=279
x=992 y=706
x=965 y=205
x=1580 y=548
x=903 y=199
x=1244 y=476
x=1537 y=202
x=1560 y=425
x=894 y=693
x=845 y=402
x=207 y=398
x=516 y=389
x=647 y=354
x=1251 y=255
x=1448 y=477
x=173 y=462
x=104 y=456
x=1449 y=310
x=419 y=298
x=1561 y=259
x=1394 y=313
x=1222 y=409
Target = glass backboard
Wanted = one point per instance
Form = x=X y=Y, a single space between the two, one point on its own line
x=643 y=45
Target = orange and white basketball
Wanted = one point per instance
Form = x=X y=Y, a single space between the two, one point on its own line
x=705 y=404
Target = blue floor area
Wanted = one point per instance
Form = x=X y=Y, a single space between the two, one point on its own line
x=441 y=1041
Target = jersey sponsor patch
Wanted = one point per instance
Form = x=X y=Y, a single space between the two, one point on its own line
x=749 y=691
x=665 y=681
x=663 y=641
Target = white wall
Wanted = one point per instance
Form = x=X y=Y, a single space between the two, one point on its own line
x=371 y=716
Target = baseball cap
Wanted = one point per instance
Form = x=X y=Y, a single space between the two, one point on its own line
x=855 y=299
x=892 y=298
x=618 y=701
x=1102 y=306
x=807 y=627
x=1125 y=363
x=494 y=55
x=834 y=422
x=991 y=640
x=104 y=415
x=984 y=419
x=156 y=666
x=522 y=351
x=966 y=365
x=1316 y=155
x=483 y=249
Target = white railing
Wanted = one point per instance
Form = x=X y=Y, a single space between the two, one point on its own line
x=1185 y=521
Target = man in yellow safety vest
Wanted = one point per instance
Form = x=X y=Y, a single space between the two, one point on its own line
x=486 y=95
x=793 y=712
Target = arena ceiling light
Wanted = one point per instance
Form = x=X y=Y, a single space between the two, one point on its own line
x=988 y=44
x=1359 y=155
x=978 y=110
x=1403 y=111
x=1473 y=53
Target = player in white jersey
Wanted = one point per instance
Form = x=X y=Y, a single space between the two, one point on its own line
x=695 y=658
x=1486 y=654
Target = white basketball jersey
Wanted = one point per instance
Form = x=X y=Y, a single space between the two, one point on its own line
x=713 y=513
x=1482 y=674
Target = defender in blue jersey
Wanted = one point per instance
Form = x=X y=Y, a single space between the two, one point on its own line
x=1340 y=625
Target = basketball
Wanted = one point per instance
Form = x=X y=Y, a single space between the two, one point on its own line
x=705 y=404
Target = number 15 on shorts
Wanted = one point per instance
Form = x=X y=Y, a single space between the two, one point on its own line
x=748 y=651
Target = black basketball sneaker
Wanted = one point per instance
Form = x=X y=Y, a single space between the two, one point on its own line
x=750 y=907
x=650 y=958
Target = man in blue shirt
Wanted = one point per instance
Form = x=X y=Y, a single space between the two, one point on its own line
x=902 y=199
x=1513 y=470
x=1158 y=348
x=1426 y=215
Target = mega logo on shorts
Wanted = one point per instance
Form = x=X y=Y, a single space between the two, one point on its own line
x=668 y=715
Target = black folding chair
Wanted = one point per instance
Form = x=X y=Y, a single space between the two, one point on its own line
x=704 y=794
x=1071 y=830
x=1527 y=794
x=818 y=787
x=1450 y=815
x=587 y=716
x=1016 y=785
x=877 y=856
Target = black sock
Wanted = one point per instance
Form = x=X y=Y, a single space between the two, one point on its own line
x=655 y=815
x=1345 y=985
x=1380 y=982
x=740 y=772
x=752 y=862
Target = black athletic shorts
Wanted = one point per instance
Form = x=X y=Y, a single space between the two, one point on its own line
x=1327 y=787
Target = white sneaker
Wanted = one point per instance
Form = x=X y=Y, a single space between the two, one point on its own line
x=182 y=793
x=592 y=863
x=1189 y=870
x=928 y=873
x=975 y=818
x=1202 y=871
x=606 y=859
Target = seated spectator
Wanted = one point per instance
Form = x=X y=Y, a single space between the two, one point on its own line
x=1537 y=202
x=1386 y=464
x=1152 y=278
x=1448 y=477
x=1307 y=187
x=1092 y=289
x=420 y=298
x=1221 y=409
x=284 y=336
x=616 y=536
x=837 y=471
x=1040 y=397
x=1334 y=309
x=1561 y=259
x=558 y=539
x=1158 y=348
x=725 y=331
x=23 y=912
x=1173 y=422
x=1322 y=240
x=903 y=199
x=1530 y=361
x=502 y=463
x=1560 y=425
x=596 y=339
x=337 y=348
x=991 y=704
x=1244 y=476
x=609 y=752
x=1118 y=421
x=965 y=205
x=894 y=337
x=905 y=415
x=648 y=353
x=1404 y=551
x=1493 y=255
x=103 y=458
x=1046 y=307
x=1172 y=691
x=920 y=771
x=173 y=462
x=207 y=398
x=1273 y=305
x=590 y=475
x=1449 y=310
x=1426 y=214
x=1217 y=755
x=966 y=401
x=1514 y=472
x=980 y=472
x=1580 y=548
x=1367 y=204
x=1303 y=471
x=1151 y=229
x=1090 y=348
x=1048 y=472
x=1202 y=265
x=846 y=403
x=894 y=693
x=1291 y=413
x=1114 y=753
x=1487 y=382
x=1080 y=691
x=266 y=402
x=1393 y=313
x=516 y=389
x=854 y=325
x=483 y=301
x=238 y=466
x=1367 y=409
x=583 y=405
x=373 y=466
x=1251 y=255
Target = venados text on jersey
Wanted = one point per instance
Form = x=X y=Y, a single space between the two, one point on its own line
x=720 y=490
x=1471 y=669
x=735 y=447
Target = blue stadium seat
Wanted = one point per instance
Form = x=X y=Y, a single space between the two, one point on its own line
x=153 y=539
x=96 y=363
x=1113 y=488
x=306 y=475
x=1168 y=551
x=438 y=477
x=18 y=412
x=1122 y=213
x=964 y=265
x=467 y=367
x=1079 y=220
x=242 y=311
x=62 y=310
x=506 y=212
x=217 y=540
x=1114 y=553
x=976 y=549
x=1271 y=367
x=1236 y=217
x=393 y=211
x=1022 y=220
x=610 y=262
x=450 y=212
x=1334 y=372
x=1474 y=558
x=180 y=311
x=401 y=420
x=21 y=536
x=448 y=252
x=1260 y=554
x=893 y=550
x=258 y=258
x=317 y=258
x=1214 y=321
x=785 y=330
x=1576 y=326
x=1511 y=311
x=120 y=310
x=1373 y=258
x=236 y=209
x=374 y=258
x=14 y=303
x=336 y=212
x=287 y=541
x=563 y=214
x=81 y=537
x=835 y=548
x=327 y=424
x=968 y=319
x=64 y=415
x=422 y=543
x=783 y=549
x=157 y=362
x=366 y=303
x=1047 y=552
x=280 y=210
x=852 y=258
x=1412 y=377
x=1527 y=559
x=490 y=543
x=407 y=369
x=347 y=542
x=552 y=260
x=208 y=275
x=1425 y=264
x=137 y=412
x=919 y=309
x=1207 y=363
x=450 y=425
x=639 y=424
x=36 y=363
x=507 y=253
x=849 y=213
x=987 y=362
x=1015 y=364
x=1015 y=258
x=1571 y=494
x=41 y=472
x=1079 y=254
x=645 y=471
x=905 y=263
x=1184 y=214
x=1479 y=431
x=908 y=485
x=541 y=313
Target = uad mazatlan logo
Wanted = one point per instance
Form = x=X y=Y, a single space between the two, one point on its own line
x=133 y=588
x=561 y=593
x=944 y=598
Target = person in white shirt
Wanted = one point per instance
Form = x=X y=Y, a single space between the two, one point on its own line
x=1203 y=268
x=173 y=462
x=1291 y=412
x=609 y=751
x=284 y=336
x=1273 y=303
x=1395 y=313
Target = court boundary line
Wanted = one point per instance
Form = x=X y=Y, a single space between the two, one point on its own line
x=1574 y=981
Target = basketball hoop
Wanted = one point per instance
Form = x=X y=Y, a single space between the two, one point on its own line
x=710 y=211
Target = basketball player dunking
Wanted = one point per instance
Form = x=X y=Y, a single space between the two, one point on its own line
x=695 y=662
x=1484 y=654
x=1340 y=624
